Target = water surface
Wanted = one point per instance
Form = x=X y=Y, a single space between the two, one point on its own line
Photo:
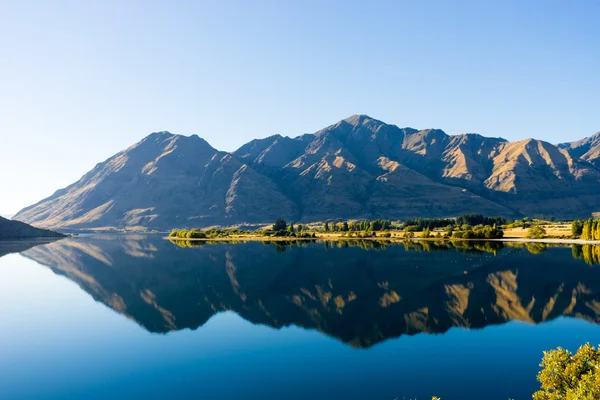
x=139 y=317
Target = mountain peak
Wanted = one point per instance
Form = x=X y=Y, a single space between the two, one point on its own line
x=360 y=119
x=159 y=135
x=169 y=180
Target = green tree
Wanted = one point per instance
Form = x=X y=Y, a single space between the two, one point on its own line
x=279 y=225
x=577 y=227
x=426 y=233
x=326 y=226
x=345 y=227
x=567 y=376
x=586 y=232
x=536 y=232
x=290 y=228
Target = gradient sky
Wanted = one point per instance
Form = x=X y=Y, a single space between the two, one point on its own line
x=82 y=80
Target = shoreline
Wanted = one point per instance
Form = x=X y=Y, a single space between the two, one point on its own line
x=378 y=238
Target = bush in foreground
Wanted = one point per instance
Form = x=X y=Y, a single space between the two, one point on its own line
x=568 y=376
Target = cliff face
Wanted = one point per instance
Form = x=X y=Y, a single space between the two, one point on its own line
x=358 y=167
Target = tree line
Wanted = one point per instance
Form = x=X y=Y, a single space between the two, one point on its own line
x=479 y=219
x=588 y=229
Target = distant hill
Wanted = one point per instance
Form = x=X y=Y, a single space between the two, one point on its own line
x=357 y=168
x=19 y=230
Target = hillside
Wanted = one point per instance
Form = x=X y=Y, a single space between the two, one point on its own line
x=587 y=149
x=19 y=230
x=357 y=168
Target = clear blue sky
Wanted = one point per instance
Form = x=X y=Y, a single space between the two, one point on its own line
x=82 y=80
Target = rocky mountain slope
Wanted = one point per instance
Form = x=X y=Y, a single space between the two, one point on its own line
x=358 y=167
x=587 y=149
x=19 y=230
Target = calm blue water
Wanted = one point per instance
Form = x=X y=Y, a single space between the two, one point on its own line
x=139 y=317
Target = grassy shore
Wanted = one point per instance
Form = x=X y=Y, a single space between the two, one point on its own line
x=394 y=237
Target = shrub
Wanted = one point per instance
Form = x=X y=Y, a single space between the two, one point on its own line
x=536 y=232
x=570 y=376
x=480 y=232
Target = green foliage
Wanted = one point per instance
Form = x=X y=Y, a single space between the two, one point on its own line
x=279 y=225
x=425 y=234
x=570 y=377
x=588 y=229
x=429 y=223
x=524 y=223
x=577 y=227
x=209 y=233
x=370 y=225
x=536 y=232
x=195 y=234
x=326 y=227
x=478 y=219
x=480 y=232
x=567 y=376
x=290 y=228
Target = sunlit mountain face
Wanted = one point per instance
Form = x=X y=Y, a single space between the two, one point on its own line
x=361 y=293
x=357 y=168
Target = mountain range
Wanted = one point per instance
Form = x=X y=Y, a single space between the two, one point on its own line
x=357 y=168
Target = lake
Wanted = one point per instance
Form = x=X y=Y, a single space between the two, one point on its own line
x=132 y=316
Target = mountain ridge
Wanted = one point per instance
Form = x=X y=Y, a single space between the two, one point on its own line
x=19 y=230
x=359 y=167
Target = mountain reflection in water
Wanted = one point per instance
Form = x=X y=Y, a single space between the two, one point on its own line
x=360 y=292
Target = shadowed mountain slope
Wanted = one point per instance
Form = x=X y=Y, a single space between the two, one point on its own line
x=163 y=181
x=357 y=168
x=18 y=230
